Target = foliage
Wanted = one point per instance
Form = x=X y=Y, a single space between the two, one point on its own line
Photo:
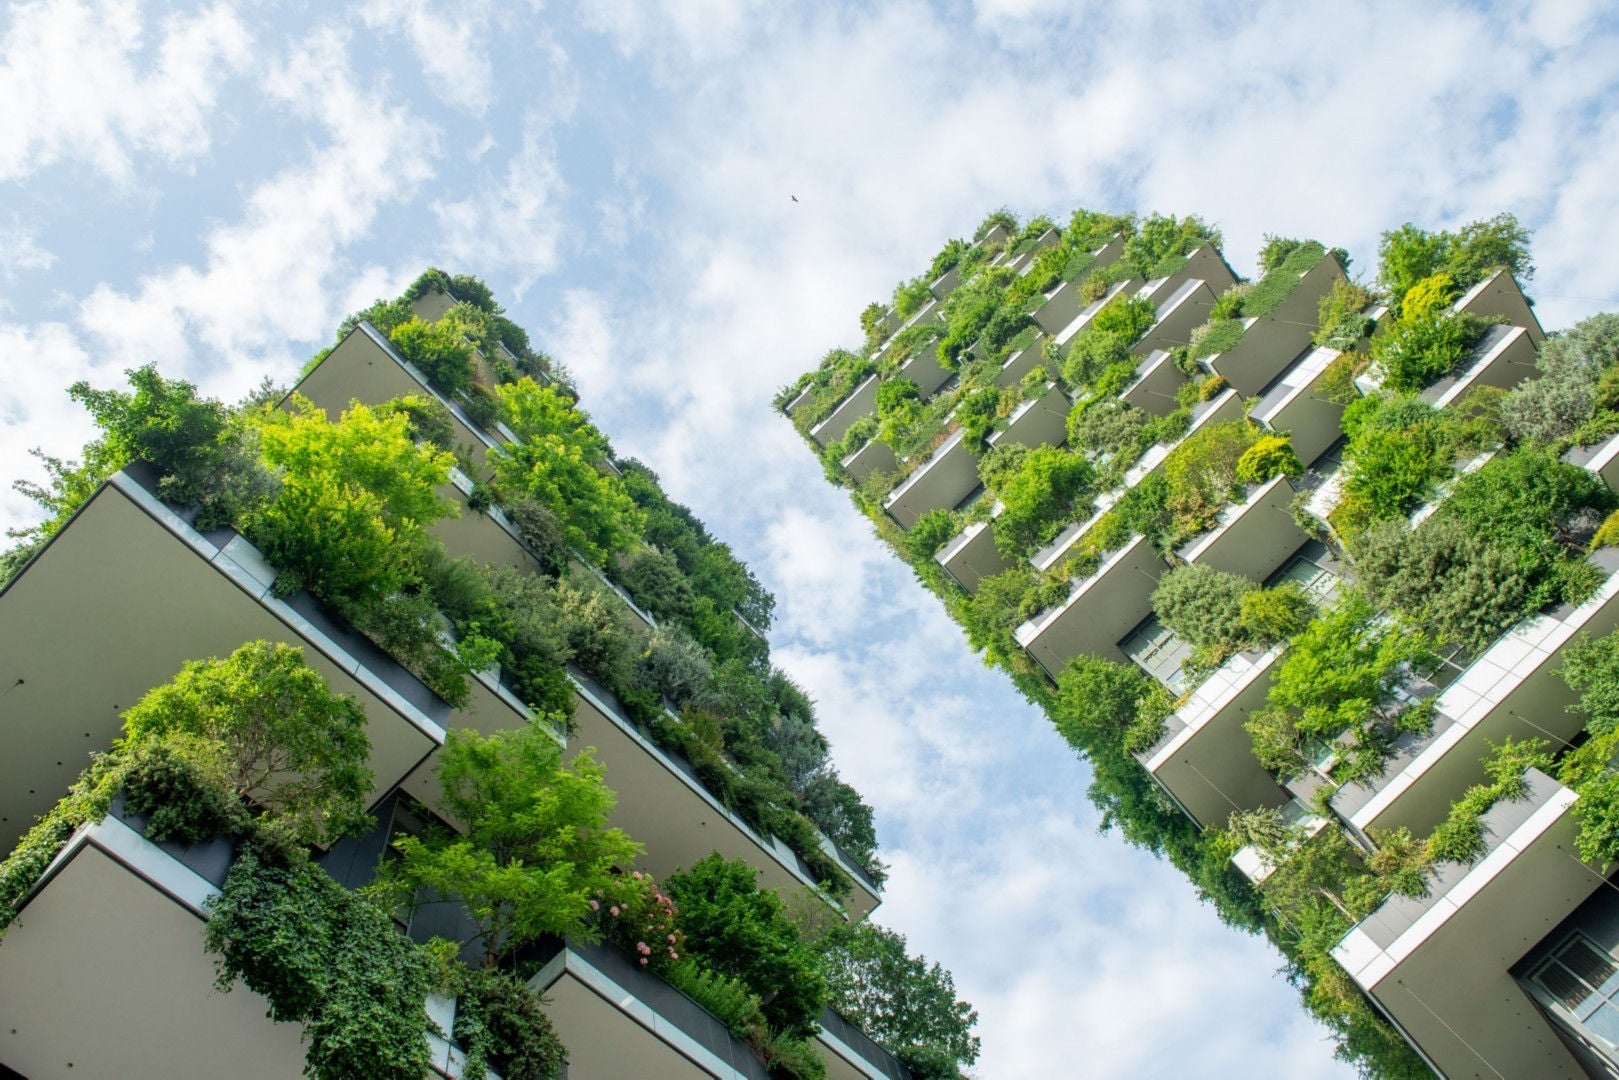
x=742 y=931
x=932 y=531
x=1409 y=254
x=292 y=747
x=1340 y=322
x=501 y=1025
x=438 y=350
x=1424 y=345
x=1101 y=703
x=1002 y=217
x=893 y=393
x=535 y=851
x=905 y=1004
x=1339 y=676
x=1269 y=457
x=1160 y=238
x=1591 y=669
x=1039 y=495
x=639 y=918
x=1201 y=477
x=427 y=417
x=1213 y=338
x=355 y=500
x=559 y=464
x=325 y=957
x=1460 y=837
x=1575 y=368
x=1203 y=606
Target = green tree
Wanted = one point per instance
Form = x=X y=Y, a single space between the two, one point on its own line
x=737 y=929
x=535 y=851
x=1203 y=606
x=906 y=1004
x=293 y=748
x=439 y=350
x=1102 y=706
x=1039 y=495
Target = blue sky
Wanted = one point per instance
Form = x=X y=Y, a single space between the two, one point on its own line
x=213 y=187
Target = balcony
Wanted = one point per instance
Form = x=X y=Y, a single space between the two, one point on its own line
x=1253 y=537
x=971 y=556
x=1178 y=314
x=1099 y=611
x=1498 y=296
x=1156 y=384
x=1438 y=965
x=664 y=805
x=923 y=368
x=1021 y=258
x=1205 y=759
x=875 y=456
x=1082 y=318
x=1226 y=406
x=1271 y=342
x=861 y=402
x=950 y=475
x=1022 y=361
x=1600 y=458
x=366 y=367
x=126 y=594
x=850 y=1054
x=103 y=973
x=1504 y=357
x=1256 y=865
x=1509 y=690
x=1295 y=404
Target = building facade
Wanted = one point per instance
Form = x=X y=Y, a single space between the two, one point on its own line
x=1236 y=537
x=102 y=966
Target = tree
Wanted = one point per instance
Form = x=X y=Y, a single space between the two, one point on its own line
x=355 y=501
x=1203 y=605
x=439 y=350
x=1039 y=495
x=738 y=929
x=535 y=851
x=900 y=1000
x=1104 y=707
x=293 y=747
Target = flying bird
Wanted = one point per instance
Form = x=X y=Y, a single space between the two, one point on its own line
x=793 y=197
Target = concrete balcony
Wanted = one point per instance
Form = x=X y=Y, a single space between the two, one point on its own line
x=971 y=555
x=1083 y=319
x=1511 y=689
x=1156 y=385
x=366 y=367
x=617 y=1019
x=1205 y=759
x=1224 y=407
x=849 y=1054
x=924 y=369
x=875 y=456
x=1439 y=966
x=103 y=973
x=1063 y=304
x=1272 y=342
x=1253 y=537
x=432 y=305
x=128 y=592
x=861 y=402
x=1601 y=458
x=1257 y=865
x=1505 y=357
x=1022 y=361
x=664 y=805
x=1099 y=611
x=950 y=475
x=1022 y=257
x=946 y=283
x=1499 y=296
x=1179 y=312
x=1296 y=406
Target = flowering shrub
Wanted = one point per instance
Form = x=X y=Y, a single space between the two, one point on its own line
x=636 y=915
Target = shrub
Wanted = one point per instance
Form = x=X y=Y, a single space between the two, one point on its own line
x=1419 y=348
x=1203 y=606
x=501 y=1025
x=1039 y=496
x=438 y=350
x=1269 y=457
x=1409 y=254
x=1275 y=614
x=1127 y=316
x=931 y=532
x=1340 y=323
x=674 y=665
x=1213 y=338
x=1201 y=474
x=739 y=930
x=655 y=581
x=1105 y=706
x=294 y=749
x=1105 y=426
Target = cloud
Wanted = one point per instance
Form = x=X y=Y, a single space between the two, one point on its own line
x=20 y=251
x=450 y=42
x=80 y=82
x=276 y=274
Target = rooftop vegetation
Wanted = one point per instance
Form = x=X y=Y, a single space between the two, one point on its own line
x=1501 y=541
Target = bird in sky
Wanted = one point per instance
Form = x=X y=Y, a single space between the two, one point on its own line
x=793 y=197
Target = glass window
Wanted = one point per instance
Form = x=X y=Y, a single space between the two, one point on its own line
x=1158 y=652
x=1583 y=979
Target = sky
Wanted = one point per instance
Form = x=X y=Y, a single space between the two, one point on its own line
x=213 y=187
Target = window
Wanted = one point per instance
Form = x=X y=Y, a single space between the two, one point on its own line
x=1159 y=653
x=1584 y=979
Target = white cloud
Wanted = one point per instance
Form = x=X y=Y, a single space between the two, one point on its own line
x=80 y=82
x=450 y=42
x=20 y=251
x=273 y=276
x=510 y=222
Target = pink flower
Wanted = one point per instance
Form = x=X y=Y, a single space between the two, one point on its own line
x=636 y=874
x=594 y=906
x=613 y=911
x=673 y=955
x=643 y=961
x=643 y=948
x=671 y=939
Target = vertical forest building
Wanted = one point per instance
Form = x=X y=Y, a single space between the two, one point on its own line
x=393 y=726
x=1319 y=573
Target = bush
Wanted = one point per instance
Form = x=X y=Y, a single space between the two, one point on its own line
x=655 y=582
x=1269 y=457
x=438 y=350
x=501 y=1025
x=1201 y=474
x=1409 y=254
x=892 y=393
x=1340 y=323
x=932 y=531
x=1203 y=606
x=739 y=930
x=1102 y=706
x=1421 y=347
x=675 y=666
x=1039 y=497
x=1275 y=614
